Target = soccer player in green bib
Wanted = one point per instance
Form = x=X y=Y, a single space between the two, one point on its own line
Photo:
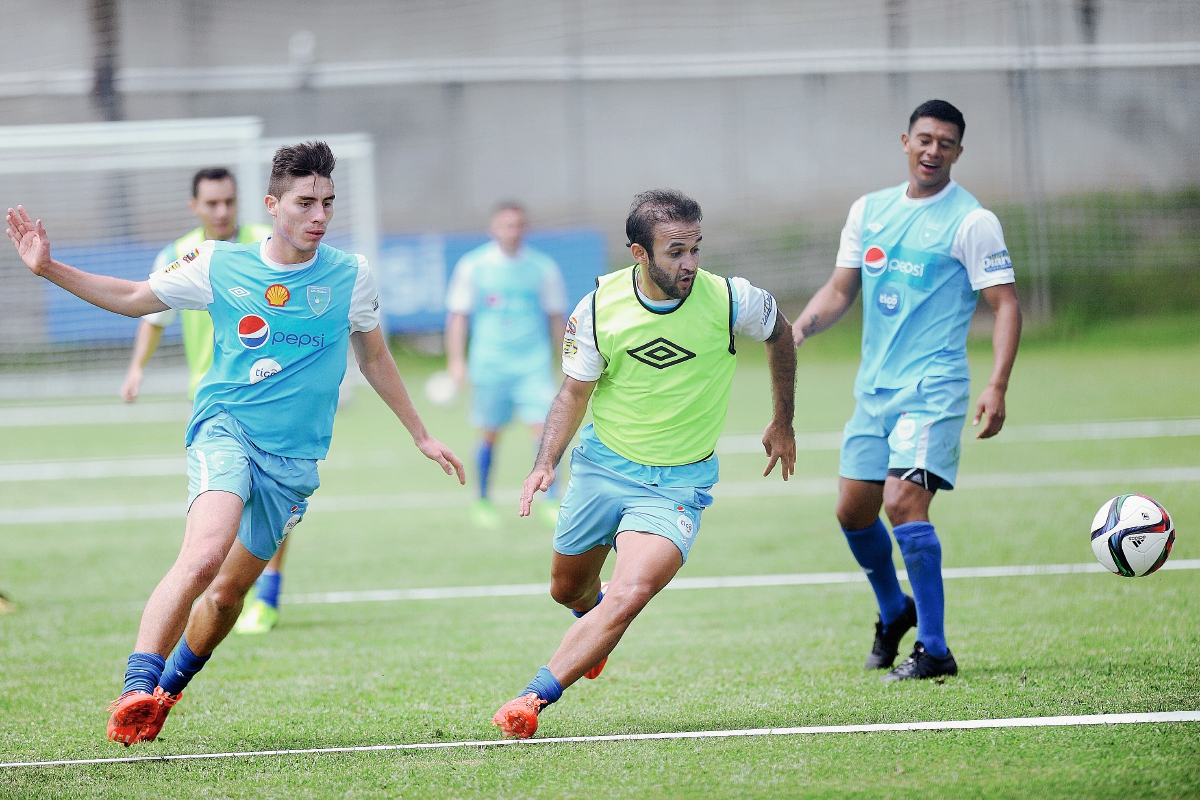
x=284 y=313
x=652 y=348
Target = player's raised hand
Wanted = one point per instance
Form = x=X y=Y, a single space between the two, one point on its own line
x=991 y=405
x=32 y=243
x=540 y=480
x=436 y=451
x=780 y=443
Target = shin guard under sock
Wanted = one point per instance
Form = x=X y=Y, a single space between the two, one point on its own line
x=872 y=548
x=923 y=558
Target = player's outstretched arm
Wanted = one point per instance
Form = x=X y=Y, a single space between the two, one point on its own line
x=131 y=298
x=566 y=413
x=780 y=438
x=1006 y=336
x=379 y=368
x=828 y=304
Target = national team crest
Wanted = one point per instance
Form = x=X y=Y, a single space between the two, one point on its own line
x=930 y=232
x=318 y=299
x=219 y=461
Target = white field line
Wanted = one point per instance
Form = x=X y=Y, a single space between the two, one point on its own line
x=1066 y=432
x=720 y=582
x=797 y=487
x=1152 y=718
x=729 y=444
x=33 y=416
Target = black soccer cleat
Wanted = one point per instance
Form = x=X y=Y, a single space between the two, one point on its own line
x=887 y=640
x=922 y=665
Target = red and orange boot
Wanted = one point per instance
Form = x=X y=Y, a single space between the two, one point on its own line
x=166 y=702
x=131 y=712
x=518 y=719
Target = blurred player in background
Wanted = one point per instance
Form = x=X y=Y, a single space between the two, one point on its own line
x=653 y=349
x=514 y=301
x=922 y=253
x=284 y=312
x=214 y=203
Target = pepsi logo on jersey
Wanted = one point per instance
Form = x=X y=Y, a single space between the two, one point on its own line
x=253 y=331
x=875 y=261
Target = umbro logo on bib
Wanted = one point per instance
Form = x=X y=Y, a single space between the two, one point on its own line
x=661 y=353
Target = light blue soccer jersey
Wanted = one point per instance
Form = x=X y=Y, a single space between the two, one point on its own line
x=280 y=341
x=508 y=300
x=917 y=298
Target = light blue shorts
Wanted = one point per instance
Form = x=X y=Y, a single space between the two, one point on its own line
x=600 y=503
x=917 y=427
x=274 y=489
x=493 y=403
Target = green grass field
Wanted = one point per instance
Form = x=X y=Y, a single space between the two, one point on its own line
x=365 y=673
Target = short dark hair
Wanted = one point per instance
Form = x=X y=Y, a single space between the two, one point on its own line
x=509 y=205
x=940 y=109
x=210 y=174
x=299 y=161
x=655 y=206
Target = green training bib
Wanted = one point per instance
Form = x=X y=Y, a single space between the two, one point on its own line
x=664 y=392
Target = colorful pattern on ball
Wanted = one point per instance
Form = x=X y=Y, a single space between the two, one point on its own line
x=1132 y=535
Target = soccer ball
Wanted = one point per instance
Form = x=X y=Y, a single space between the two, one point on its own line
x=440 y=388
x=1132 y=535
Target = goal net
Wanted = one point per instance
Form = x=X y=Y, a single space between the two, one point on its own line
x=112 y=195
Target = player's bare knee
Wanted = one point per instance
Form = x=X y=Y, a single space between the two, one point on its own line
x=626 y=602
x=566 y=592
x=902 y=508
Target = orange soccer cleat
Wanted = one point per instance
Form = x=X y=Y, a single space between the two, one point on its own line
x=595 y=671
x=166 y=702
x=518 y=719
x=131 y=712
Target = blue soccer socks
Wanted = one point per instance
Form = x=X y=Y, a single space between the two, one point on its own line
x=483 y=460
x=872 y=548
x=267 y=587
x=923 y=557
x=545 y=686
x=181 y=667
x=142 y=672
x=599 y=597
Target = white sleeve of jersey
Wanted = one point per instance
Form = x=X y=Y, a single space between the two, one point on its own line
x=186 y=284
x=460 y=294
x=554 y=291
x=756 y=310
x=364 y=301
x=162 y=319
x=849 y=253
x=580 y=358
x=979 y=245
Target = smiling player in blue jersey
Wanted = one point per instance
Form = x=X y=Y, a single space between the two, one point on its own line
x=922 y=253
x=284 y=312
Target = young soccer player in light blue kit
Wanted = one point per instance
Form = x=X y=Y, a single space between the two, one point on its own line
x=922 y=252
x=284 y=312
x=516 y=301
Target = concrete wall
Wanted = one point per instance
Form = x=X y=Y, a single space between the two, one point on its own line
x=759 y=153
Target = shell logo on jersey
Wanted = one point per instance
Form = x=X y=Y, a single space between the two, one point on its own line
x=253 y=331
x=277 y=295
x=264 y=368
x=875 y=261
